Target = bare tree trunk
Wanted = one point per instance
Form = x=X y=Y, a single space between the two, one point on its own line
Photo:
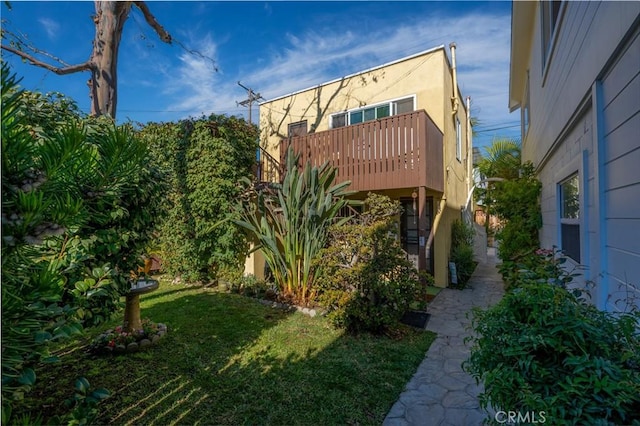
x=109 y=21
x=103 y=86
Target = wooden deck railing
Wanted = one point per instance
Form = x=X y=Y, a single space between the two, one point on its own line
x=401 y=151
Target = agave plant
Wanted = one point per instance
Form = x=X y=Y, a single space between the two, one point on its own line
x=290 y=224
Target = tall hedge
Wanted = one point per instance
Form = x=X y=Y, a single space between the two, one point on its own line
x=205 y=159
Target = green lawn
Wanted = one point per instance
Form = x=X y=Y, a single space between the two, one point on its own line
x=230 y=360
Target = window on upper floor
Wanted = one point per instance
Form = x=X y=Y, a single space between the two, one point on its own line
x=298 y=129
x=569 y=200
x=526 y=114
x=550 y=16
x=373 y=112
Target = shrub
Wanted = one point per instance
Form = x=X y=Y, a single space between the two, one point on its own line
x=251 y=286
x=462 y=256
x=517 y=204
x=542 y=349
x=462 y=251
x=204 y=158
x=539 y=266
x=78 y=208
x=368 y=283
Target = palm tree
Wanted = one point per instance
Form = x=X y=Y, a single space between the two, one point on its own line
x=502 y=160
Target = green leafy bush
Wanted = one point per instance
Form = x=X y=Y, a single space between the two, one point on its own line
x=541 y=266
x=544 y=349
x=204 y=159
x=462 y=251
x=517 y=204
x=251 y=286
x=368 y=283
x=83 y=405
x=78 y=208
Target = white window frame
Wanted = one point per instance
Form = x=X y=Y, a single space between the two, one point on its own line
x=392 y=110
x=573 y=170
x=549 y=29
x=526 y=110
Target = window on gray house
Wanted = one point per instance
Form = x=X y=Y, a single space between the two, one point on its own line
x=569 y=191
x=550 y=10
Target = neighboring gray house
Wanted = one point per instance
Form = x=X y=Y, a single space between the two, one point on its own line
x=575 y=76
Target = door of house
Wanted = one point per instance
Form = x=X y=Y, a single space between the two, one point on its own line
x=409 y=235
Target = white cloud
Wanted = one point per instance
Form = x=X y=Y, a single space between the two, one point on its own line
x=50 y=26
x=195 y=86
x=483 y=43
x=325 y=53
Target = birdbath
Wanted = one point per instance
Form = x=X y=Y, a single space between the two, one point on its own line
x=132 y=308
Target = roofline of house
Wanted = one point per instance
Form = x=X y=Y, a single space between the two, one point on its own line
x=406 y=58
x=522 y=20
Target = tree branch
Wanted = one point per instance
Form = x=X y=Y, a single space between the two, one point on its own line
x=153 y=23
x=85 y=66
x=21 y=42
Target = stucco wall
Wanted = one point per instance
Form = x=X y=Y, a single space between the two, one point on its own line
x=426 y=76
x=422 y=76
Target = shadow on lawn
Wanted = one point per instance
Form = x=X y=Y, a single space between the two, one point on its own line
x=206 y=329
x=265 y=366
x=229 y=360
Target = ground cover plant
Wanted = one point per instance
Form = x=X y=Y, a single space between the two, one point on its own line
x=230 y=360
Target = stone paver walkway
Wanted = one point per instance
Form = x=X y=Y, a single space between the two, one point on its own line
x=441 y=393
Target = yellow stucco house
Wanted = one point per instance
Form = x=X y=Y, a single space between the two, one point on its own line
x=399 y=129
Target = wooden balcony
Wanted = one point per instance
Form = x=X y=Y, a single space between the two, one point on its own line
x=402 y=151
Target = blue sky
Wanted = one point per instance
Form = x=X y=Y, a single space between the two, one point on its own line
x=273 y=47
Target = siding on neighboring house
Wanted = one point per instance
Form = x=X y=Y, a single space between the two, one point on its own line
x=620 y=132
x=583 y=105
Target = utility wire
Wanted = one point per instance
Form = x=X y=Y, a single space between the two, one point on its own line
x=497 y=128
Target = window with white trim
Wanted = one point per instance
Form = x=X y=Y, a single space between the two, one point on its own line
x=569 y=194
x=372 y=112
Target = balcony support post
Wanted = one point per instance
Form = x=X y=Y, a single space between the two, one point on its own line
x=422 y=229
